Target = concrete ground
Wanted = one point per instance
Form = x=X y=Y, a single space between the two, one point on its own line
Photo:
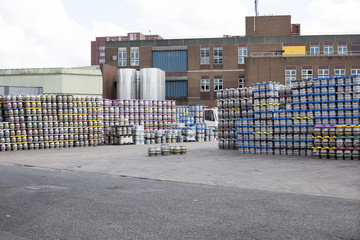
x=42 y=204
x=205 y=164
x=118 y=192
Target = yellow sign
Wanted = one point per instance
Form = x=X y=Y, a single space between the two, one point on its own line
x=294 y=50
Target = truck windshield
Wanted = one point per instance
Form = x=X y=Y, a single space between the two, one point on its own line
x=209 y=116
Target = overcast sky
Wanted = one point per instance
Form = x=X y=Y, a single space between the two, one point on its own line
x=57 y=33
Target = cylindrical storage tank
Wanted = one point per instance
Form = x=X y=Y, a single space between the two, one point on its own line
x=152 y=84
x=138 y=79
x=126 y=83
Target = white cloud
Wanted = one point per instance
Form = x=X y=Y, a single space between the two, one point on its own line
x=188 y=18
x=39 y=33
x=333 y=16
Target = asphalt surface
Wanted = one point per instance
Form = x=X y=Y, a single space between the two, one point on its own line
x=43 y=204
x=205 y=164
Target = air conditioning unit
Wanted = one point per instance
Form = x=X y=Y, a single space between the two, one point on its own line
x=113 y=58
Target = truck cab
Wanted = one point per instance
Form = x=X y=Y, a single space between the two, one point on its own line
x=211 y=117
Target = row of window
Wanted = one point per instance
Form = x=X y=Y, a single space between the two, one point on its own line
x=218 y=84
x=289 y=76
x=204 y=56
x=134 y=57
x=308 y=73
x=328 y=49
x=218 y=55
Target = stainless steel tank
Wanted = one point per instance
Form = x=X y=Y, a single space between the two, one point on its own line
x=152 y=84
x=138 y=80
x=126 y=84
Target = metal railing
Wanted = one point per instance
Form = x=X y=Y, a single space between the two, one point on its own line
x=307 y=54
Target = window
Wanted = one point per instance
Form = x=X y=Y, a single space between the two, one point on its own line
x=209 y=115
x=218 y=55
x=101 y=60
x=339 y=72
x=323 y=73
x=134 y=56
x=102 y=48
x=314 y=50
x=355 y=71
x=122 y=57
x=289 y=76
x=328 y=49
x=306 y=73
x=102 y=54
x=205 y=85
x=242 y=53
x=204 y=56
x=241 y=82
x=218 y=84
x=342 y=49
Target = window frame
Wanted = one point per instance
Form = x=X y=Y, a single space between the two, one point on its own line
x=206 y=83
x=241 y=80
x=315 y=50
x=134 y=56
x=123 y=58
x=340 y=70
x=290 y=76
x=323 y=75
x=242 y=53
x=341 y=49
x=102 y=60
x=327 y=49
x=355 y=71
x=204 y=55
x=305 y=73
x=218 y=55
x=218 y=84
x=101 y=48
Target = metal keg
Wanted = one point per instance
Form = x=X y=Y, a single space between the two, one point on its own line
x=151 y=151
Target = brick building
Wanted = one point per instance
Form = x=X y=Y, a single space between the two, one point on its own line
x=271 y=50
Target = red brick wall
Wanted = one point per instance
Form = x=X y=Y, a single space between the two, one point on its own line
x=268 y=26
x=109 y=77
x=273 y=69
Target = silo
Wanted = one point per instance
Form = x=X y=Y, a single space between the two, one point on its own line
x=126 y=84
x=152 y=84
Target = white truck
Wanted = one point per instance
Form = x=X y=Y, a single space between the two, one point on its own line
x=210 y=117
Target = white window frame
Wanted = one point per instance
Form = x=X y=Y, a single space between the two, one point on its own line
x=323 y=73
x=314 y=50
x=134 y=56
x=342 y=49
x=102 y=54
x=306 y=73
x=205 y=85
x=122 y=57
x=218 y=84
x=242 y=53
x=204 y=56
x=218 y=55
x=290 y=75
x=241 y=82
x=328 y=49
x=340 y=72
x=355 y=71
x=102 y=48
x=101 y=60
